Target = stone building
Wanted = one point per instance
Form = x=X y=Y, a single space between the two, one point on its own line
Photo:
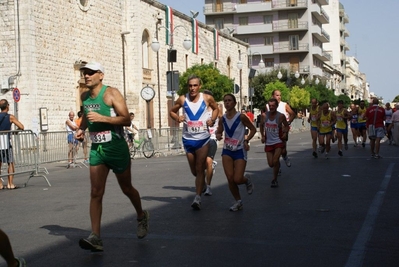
x=44 y=42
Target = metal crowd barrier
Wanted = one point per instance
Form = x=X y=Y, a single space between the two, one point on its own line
x=20 y=148
x=54 y=148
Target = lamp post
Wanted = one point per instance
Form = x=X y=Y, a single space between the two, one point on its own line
x=240 y=65
x=123 y=62
x=159 y=21
x=172 y=54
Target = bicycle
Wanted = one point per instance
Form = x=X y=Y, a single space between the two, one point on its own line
x=145 y=145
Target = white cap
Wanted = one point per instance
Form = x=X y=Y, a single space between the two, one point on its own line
x=93 y=66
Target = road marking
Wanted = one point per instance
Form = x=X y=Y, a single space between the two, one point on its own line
x=359 y=247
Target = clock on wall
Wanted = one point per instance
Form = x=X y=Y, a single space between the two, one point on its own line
x=147 y=93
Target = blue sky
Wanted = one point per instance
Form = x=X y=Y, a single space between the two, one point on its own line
x=373 y=40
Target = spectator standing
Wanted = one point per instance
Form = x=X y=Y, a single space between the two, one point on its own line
x=236 y=145
x=78 y=122
x=6 y=153
x=250 y=115
x=375 y=115
x=105 y=114
x=71 y=128
x=132 y=130
x=195 y=130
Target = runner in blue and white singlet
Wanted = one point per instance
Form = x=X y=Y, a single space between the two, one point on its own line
x=195 y=130
x=236 y=145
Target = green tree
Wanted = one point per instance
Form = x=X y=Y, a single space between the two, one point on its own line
x=211 y=79
x=313 y=93
x=346 y=99
x=299 y=98
x=277 y=85
x=326 y=95
x=396 y=99
x=259 y=83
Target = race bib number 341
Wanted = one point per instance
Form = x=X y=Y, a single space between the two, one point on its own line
x=100 y=137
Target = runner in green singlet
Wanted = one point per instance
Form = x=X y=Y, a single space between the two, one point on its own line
x=105 y=114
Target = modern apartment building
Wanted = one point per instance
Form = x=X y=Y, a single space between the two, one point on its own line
x=337 y=47
x=284 y=33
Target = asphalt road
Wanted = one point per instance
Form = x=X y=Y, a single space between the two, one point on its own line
x=340 y=211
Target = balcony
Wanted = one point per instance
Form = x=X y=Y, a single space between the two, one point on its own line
x=214 y=9
x=346 y=46
x=262 y=49
x=323 y=2
x=319 y=13
x=253 y=7
x=320 y=54
x=317 y=71
x=344 y=15
x=254 y=29
x=346 y=33
x=280 y=26
x=291 y=48
x=320 y=34
x=289 y=4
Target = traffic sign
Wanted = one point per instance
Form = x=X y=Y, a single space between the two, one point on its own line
x=16 y=94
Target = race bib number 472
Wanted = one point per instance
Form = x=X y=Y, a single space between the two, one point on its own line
x=101 y=137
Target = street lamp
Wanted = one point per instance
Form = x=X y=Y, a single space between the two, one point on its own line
x=240 y=65
x=123 y=62
x=155 y=46
x=261 y=63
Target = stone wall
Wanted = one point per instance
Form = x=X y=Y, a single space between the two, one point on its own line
x=55 y=36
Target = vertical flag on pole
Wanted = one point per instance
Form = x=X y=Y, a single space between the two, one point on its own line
x=169 y=25
x=216 y=43
x=194 y=37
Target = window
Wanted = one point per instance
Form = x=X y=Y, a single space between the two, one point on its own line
x=218 y=6
x=244 y=40
x=228 y=67
x=293 y=21
x=269 y=62
x=144 y=50
x=294 y=42
x=84 y=5
x=243 y=21
x=219 y=24
x=268 y=19
x=269 y=40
